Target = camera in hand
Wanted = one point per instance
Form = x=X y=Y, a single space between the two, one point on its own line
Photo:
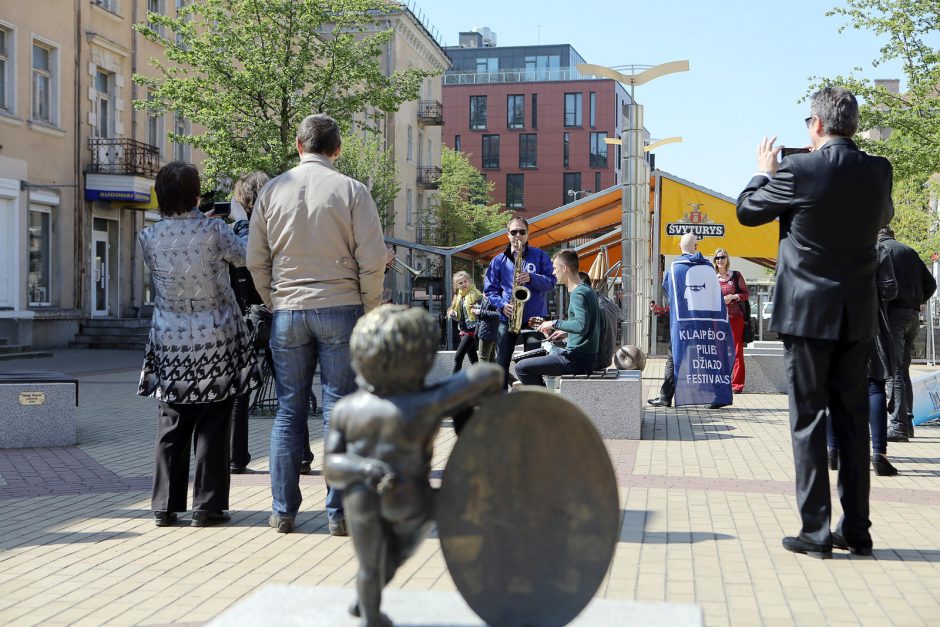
x=217 y=209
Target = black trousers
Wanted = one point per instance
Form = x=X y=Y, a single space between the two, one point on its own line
x=240 y=454
x=905 y=325
x=179 y=427
x=532 y=371
x=668 y=388
x=468 y=347
x=829 y=374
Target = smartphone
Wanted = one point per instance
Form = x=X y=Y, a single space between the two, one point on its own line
x=785 y=152
x=218 y=209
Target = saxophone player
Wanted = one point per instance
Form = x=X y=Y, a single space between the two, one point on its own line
x=502 y=286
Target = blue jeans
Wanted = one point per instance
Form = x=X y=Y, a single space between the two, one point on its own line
x=532 y=370
x=298 y=340
x=877 y=420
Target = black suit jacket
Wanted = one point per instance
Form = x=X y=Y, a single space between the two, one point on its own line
x=831 y=203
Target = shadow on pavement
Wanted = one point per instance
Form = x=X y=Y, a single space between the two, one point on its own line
x=906 y=555
x=68 y=537
x=633 y=523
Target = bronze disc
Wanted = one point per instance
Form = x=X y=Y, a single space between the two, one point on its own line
x=528 y=512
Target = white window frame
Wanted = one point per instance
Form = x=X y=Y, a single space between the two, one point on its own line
x=409 y=207
x=104 y=99
x=107 y=5
x=409 y=155
x=53 y=76
x=8 y=59
x=46 y=203
x=181 y=152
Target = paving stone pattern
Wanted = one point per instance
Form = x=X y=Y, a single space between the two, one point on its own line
x=706 y=496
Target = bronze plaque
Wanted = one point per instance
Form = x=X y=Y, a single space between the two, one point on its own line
x=528 y=512
x=32 y=398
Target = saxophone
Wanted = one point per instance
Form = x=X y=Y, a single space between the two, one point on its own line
x=520 y=294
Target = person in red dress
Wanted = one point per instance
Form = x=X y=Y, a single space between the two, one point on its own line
x=734 y=291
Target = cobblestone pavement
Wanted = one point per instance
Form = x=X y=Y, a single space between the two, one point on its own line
x=706 y=497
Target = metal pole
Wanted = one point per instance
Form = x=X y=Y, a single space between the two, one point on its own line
x=633 y=168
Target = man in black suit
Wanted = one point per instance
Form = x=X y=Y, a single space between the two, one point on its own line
x=915 y=287
x=830 y=202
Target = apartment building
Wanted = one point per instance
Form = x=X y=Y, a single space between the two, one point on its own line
x=531 y=122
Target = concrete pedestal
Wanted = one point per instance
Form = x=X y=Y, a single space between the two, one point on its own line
x=37 y=409
x=327 y=607
x=615 y=406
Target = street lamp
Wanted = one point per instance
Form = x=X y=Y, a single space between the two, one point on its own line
x=635 y=181
x=574 y=193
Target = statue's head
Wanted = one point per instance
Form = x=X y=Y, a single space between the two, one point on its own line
x=393 y=348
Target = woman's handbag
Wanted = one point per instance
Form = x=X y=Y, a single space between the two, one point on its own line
x=746 y=309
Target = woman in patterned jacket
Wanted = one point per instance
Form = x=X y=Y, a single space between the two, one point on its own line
x=198 y=356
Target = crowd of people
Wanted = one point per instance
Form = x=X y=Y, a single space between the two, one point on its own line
x=294 y=278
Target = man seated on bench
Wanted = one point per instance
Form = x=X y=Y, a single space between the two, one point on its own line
x=581 y=328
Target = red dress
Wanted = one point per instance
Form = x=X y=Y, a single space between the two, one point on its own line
x=735 y=284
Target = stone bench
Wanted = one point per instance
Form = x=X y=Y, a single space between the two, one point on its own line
x=37 y=409
x=612 y=399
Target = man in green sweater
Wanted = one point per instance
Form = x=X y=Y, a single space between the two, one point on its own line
x=582 y=329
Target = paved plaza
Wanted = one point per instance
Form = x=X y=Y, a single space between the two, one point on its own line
x=706 y=497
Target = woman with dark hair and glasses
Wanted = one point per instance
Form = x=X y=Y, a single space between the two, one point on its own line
x=198 y=356
x=734 y=291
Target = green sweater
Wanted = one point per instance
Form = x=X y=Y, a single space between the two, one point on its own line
x=583 y=324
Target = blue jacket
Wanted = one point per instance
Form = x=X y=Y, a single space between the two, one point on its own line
x=497 y=285
x=487 y=321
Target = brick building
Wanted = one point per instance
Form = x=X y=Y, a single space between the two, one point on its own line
x=531 y=122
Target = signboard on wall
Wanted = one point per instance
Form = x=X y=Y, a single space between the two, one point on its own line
x=685 y=208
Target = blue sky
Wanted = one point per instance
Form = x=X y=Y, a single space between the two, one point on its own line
x=750 y=65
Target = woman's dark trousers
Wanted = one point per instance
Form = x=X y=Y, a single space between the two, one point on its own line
x=468 y=347
x=240 y=454
x=179 y=427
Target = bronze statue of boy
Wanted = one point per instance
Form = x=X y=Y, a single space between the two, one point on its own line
x=381 y=441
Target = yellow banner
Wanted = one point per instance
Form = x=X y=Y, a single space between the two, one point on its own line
x=686 y=209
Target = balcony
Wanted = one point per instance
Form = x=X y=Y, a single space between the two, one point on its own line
x=454 y=77
x=123 y=156
x=429 y=177
x=430 y=113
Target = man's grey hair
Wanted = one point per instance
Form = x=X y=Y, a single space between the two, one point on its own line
x=837 y=109
x=319 y=134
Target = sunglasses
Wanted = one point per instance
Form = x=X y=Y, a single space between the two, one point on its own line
x=809 y=119
x=518 y=232
x=720 y=258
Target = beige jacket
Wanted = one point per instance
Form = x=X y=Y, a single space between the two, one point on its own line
x=315 y=240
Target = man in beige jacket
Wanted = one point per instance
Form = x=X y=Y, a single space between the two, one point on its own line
x=316 y=253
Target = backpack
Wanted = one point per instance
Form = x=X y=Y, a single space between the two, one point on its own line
x=610 y=320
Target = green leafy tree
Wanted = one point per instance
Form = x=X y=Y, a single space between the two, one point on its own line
x=248 y=71
x=464 y=209
x=364 y=159
x=905 y=126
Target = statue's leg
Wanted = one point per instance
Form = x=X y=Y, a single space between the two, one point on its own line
x=406 y=539
x=365 y=527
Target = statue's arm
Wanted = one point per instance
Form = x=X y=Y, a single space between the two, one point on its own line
x=342 y=468
x=464 y=389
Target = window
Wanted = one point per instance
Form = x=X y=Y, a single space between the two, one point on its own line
x=180 y=5
x=457 y=143
x=6 y=69
x=104 y=107
x=477 y=112
x=40 y=255
x=181 y=151
x=427 y=155
x=45 y=65
x=535 y=110
x=597 y=181
x=514 y=191
x=420 y=148
x=491 y=151
x=110 y=5
x=593 y=108
x=543 y=67
x=573 y=109
x=155 y=128
x=409 y=207
x=411 y=142
x=572 y=183
x=515 y=111
x=565 y=151
x=527 y=150
x=156 y=6
x=487 y=64
x=598 y=150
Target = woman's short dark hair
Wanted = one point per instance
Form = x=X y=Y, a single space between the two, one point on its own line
x=247 y=188
x=177 y=188
x=319 y=134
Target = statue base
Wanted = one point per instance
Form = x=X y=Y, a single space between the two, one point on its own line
x=307 y=606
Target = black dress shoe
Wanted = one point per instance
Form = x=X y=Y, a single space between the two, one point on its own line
x=833 y=459
x=896 y=436
x=658 y=402
x=206 y=519
x=838 y=542
x=883 y=468
x=716 y=405
x=799 y=545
